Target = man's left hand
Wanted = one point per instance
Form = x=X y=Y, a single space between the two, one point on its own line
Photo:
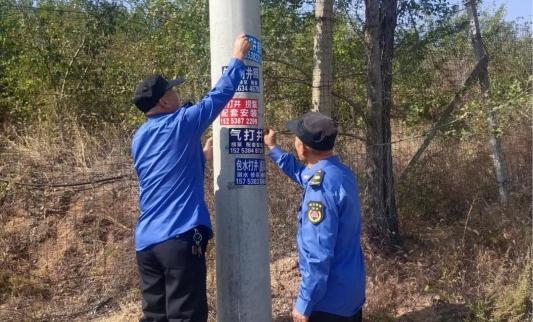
x=298 y=317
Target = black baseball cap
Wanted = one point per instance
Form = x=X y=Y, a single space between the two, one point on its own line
x=315 y=129
x=151 y=89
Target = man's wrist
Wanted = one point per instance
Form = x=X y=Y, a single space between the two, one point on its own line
x=302 y=306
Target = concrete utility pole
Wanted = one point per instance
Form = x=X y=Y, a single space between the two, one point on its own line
x=242 y=251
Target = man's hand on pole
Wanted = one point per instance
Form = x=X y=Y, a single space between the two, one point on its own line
x=241 y=46
x=270 y=139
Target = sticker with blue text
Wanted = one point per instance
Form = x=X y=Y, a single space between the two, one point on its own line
x=249 y=80
x=254 y=54
x=250 y=172
x=245 y=141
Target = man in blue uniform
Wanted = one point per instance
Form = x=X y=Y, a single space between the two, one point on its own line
x=329 y=222
x=173 y=227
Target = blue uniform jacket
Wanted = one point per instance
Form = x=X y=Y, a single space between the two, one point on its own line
x=169 y=161
x=329 y=223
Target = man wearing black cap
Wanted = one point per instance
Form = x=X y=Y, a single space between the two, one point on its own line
x=330 y=257
x=173 y=227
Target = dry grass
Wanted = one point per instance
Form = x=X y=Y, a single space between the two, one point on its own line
x=66 y=253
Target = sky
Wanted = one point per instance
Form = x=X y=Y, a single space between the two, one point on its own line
x=515 y=8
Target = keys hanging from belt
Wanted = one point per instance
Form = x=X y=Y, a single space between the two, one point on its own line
x=197 y=247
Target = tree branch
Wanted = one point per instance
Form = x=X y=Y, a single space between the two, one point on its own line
x=450 y=108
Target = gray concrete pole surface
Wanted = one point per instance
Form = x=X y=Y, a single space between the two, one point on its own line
x=242 y=250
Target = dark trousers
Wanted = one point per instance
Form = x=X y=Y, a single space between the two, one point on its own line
x=173 y=280
x=328 y=317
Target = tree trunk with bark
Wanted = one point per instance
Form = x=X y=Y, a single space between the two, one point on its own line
x=323 y=71
x=381 y=18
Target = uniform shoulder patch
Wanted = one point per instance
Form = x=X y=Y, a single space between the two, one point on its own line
x=315 y=212
x=316 y=180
